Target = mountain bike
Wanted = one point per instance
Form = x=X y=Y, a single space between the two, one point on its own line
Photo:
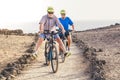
x=51 y=52
x=64 y=39
x=65 y=42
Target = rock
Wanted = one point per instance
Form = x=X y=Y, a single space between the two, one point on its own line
x=30 y=34
x=117 y=53
x=21 y=60
x=33 y=44
x=11 y=32
x=12 y=71
x=2 y=77
x=9 y=64
x=99 y=50
x=117 y=24
x=30 y=50
x=5 y=73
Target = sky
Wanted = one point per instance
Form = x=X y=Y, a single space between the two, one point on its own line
x=19 y=11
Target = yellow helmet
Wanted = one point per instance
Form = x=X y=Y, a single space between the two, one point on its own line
x=50 y=9
x=62 y=12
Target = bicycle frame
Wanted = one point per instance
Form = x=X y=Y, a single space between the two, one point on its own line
x=50 y=56
x=50 y=42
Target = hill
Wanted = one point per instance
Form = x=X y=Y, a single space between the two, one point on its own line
x=108 y=40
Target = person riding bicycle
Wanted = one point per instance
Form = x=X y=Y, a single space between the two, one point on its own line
x=66 y=21
x=48 y=22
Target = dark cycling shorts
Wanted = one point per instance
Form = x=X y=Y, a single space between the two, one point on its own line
x=66 y=34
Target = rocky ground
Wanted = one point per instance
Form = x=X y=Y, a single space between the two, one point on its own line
x=12 y=47
x=108 y=41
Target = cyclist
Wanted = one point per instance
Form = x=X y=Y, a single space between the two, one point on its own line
x=48 y=22
x=66 y=21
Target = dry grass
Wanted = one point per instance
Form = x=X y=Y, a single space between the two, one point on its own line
x=12 y=47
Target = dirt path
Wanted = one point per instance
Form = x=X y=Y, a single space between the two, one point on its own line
x=74 y=68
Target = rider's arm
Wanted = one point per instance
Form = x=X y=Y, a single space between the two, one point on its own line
x=73 y=28
x=71 y=23
x=41 y=28
x=42 y=22
x=60 y=25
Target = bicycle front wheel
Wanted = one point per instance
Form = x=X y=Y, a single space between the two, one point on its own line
x=54 y=60
x=46 y=52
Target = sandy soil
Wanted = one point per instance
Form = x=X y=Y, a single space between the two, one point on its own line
x=109 y=41
x=74 y=68
x=12 y=47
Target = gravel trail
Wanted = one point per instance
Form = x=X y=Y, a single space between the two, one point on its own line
x=74 y=68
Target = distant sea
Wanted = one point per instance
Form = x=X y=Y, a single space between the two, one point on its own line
x=32 y=27
x=85 y=25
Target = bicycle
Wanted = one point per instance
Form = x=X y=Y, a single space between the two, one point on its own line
x=64 y=39
x=51 y=52
x=65 y=42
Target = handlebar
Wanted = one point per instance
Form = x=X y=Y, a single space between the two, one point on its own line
x=70 y=30
x=61 y=30
x=50 y=32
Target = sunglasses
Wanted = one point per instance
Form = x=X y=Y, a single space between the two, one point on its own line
x=62 y=14
x=50 y=12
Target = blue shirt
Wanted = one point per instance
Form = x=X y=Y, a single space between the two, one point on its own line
x=66 y=22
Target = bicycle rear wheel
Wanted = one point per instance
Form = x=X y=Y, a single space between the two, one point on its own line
x=54 y=60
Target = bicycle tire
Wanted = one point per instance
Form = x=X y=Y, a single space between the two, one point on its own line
x=46 y=52
x=54 y=60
